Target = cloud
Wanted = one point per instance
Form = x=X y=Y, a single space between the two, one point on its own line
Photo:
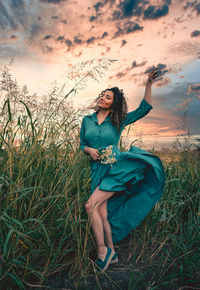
x=195 y=33
x=98 y=8
x=116 y=15
x=162 y=82
x=137 y=8
x=8 y=51
x=130 y=8
x=14 y=17
x=68 y=42
x=194 y=4
x=19 y=11
x=77 y=40
x=189 y=4
x=179 y=19
x=91 y=39
x=134 y=64
x=92 y=18
x=98 y=5
x=152 y=12
x=127 y=9
x=6 y=20
x=52 y=1
x=182 y=106
x=129 y=27
x=124 y=42
x=47 y=49
x=160 y=122
x=197 y=8
x=162 y=70
x=47 y=37
x=60 y=39
x=185 y=48
x=174 y=108
x=108 y=48
x=104 y=34
x=193 y=89
x=178 y=107
x=120 y=74
x=13 y=37
x=125 y=72
x=34 y=30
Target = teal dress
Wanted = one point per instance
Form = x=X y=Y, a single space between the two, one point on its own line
x=136 y=176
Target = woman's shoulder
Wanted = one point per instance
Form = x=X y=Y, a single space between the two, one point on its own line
x=89 y=116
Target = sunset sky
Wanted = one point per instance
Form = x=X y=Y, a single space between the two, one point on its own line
x=46 y=38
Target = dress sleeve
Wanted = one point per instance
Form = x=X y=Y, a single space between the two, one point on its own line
x=82 y=135
x=140 y=112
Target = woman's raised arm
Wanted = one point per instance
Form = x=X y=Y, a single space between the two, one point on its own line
x=145 y=105
x=137 y=114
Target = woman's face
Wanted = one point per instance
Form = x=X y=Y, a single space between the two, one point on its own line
x=106 y=100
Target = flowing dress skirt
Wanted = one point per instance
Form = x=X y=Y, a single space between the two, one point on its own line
x=138 y=180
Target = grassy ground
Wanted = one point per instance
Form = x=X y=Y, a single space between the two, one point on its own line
x=45 y=236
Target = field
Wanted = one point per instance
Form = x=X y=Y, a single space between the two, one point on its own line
x=45 y=237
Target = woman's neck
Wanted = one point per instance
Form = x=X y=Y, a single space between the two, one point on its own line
x=103 y=113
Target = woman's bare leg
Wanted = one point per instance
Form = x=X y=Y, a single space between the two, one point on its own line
x=106 y=225
x=92 y=209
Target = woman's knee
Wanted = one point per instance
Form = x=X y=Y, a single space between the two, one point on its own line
x=89 y=207
x=97 y=199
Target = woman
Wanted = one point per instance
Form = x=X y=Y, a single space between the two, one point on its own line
x=124 y=185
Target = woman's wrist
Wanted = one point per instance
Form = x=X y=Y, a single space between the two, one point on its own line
x=149 y=83
x=87 y=150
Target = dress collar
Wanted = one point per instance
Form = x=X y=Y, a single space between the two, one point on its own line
x=94 y=117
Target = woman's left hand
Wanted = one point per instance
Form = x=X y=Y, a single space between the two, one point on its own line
x=152 y=75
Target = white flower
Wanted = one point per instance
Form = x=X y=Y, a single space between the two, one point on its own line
x=107 y=156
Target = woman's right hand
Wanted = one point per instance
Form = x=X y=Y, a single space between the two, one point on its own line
x=94 y=153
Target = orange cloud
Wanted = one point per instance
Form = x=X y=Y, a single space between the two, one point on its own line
x=182 y=106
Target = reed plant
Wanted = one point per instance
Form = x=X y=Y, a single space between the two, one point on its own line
x=44 y=181
x=167 y=242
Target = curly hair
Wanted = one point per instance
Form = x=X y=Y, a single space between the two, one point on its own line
x=119 y=107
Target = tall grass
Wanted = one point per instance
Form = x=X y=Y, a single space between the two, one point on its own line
x=167 y=242
x=45 y=181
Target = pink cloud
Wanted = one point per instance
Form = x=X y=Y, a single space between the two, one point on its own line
x=182 y=106
x=162 y=82
x=193 y=89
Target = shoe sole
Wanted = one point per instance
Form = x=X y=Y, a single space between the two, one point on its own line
x=114 y=261
x=108 y=262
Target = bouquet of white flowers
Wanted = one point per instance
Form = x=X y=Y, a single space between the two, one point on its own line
x=107 y=156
